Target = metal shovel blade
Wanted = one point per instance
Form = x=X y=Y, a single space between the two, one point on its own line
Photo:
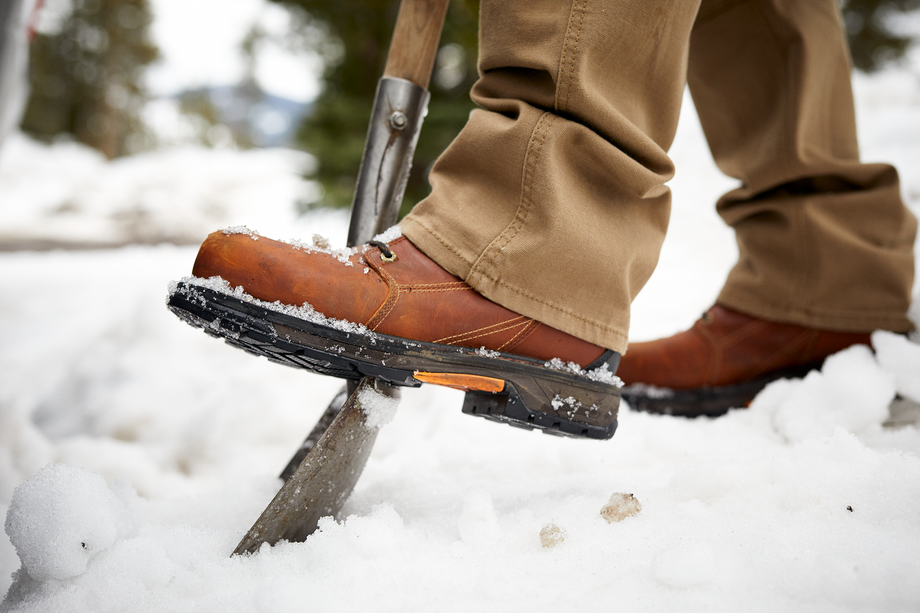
x=327 y=471
x=326 y=477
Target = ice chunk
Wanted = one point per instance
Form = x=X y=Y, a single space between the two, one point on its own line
x=551 y=535
x=60 y=519
x=619 y=507
x=321 y=242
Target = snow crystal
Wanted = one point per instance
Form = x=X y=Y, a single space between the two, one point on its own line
x=619 y=507
x=253 y=234
x=488 y=353
x=900 y=357
x=558 y=402
x=601 y=374
x=379 y=409
x=60 y=519
x=390 y=234
x=551 y=535
x=321 y=244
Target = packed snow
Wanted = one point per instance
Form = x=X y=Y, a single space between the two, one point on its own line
x=135 y=451
x=379 y=409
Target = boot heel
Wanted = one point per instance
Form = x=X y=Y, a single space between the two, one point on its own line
x=562 y=415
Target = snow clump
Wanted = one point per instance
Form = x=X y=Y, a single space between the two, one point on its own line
x=850 y=391
x=619 y=507
x=900 y=357
x=551 y=535
x=321 y=244
x=601 y=374
x=390 y=234
x=380 y=409
x=61 y=518
x=488 y=353
x=253 y=234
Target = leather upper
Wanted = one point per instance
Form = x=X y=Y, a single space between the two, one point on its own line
x=410 y=297
x=726 y=347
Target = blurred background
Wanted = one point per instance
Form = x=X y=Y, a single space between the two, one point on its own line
x=130 y=129
x=130 y=77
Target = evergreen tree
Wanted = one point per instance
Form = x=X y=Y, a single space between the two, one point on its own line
x=86 y=78
x=872 y=43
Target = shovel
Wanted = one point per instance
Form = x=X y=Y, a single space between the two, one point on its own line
x=323 y=472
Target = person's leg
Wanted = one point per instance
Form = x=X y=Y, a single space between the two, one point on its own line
x=551 y=201
x=546 y=218
x=825 y=241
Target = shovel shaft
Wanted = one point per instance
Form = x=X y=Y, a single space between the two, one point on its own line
x=396 y=120
x=415 y=40
x=323 y=472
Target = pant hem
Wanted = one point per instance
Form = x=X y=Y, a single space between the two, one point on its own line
x=450 y=259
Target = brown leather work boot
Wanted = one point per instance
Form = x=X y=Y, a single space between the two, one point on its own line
x=389 y=311
x=722 y=362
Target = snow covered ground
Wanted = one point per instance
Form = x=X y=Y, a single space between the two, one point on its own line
x=166 y=443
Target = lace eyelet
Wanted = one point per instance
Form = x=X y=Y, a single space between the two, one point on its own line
x=385 y=253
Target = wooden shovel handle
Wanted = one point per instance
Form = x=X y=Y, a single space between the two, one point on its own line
x=415 y=40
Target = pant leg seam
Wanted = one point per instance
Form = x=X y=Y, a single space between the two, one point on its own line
x=568 y=75
x=531 y=157
x=788 y=102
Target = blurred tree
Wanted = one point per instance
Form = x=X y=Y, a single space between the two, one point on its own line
x=353 y=37
x=85 y=76
x=872 y=40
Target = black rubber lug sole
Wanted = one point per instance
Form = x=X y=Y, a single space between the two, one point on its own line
x=534 y=396
x=706 y=401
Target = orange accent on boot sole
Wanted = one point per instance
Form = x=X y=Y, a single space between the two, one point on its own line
x=464 y=383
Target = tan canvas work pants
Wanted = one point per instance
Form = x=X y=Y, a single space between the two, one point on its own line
x=551 y=201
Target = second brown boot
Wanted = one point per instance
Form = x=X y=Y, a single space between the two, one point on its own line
x=722 y=362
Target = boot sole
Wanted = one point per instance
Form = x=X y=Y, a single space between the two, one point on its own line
x=706 y=401
x=503 y=387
